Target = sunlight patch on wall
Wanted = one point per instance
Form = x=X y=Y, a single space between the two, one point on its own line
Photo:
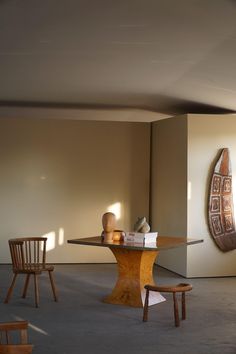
x=234 y=192
x=116 y=209
x=61 y=236
x=54 y=239
x=189 y=190
x=51 y=242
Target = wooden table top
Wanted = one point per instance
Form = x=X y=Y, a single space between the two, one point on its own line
x=163 y=243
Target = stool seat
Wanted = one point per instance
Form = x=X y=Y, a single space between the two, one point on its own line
x=170 y=288
x=179 y=288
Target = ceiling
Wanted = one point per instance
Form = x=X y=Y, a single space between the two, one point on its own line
x=164 y=56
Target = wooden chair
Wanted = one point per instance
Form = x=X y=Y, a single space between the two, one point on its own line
x=29 y=257
x=6 y=338
x=180 y=288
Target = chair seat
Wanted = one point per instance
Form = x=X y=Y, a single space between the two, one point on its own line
x=34 y=269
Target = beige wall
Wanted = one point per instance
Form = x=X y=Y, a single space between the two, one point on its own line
x=169 y=187
x=58 y=177
x=207 y=135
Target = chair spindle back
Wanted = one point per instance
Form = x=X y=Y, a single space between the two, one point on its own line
x=8 y=338
x=26 y=252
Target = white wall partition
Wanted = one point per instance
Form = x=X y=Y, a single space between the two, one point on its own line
x=168 y=187
x=207 y=135
x=184 y=151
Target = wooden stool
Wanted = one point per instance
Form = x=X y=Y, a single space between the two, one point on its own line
x=180 y=288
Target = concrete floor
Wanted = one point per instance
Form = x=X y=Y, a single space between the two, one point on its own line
x=81 y=323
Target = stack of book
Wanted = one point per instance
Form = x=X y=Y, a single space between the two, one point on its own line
x=138 y=237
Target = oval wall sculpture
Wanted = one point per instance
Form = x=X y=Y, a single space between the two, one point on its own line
x=221 y=210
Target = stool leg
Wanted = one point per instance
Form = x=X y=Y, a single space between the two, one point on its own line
x=176 y=311
x=183 y=306
x=145 y=309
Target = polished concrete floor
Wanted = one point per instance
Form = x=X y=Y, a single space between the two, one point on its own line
x=81 y=323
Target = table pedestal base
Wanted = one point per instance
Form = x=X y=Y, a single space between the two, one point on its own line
x=134 y=271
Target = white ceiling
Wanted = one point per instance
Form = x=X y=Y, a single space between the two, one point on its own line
x=166 y=56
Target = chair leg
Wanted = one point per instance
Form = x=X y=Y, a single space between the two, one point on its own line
x=176 y=311
x=9 y=293
x=36 y=290
x=183 y=306
x=145 y=309
x=53 y=286
x=26 y=286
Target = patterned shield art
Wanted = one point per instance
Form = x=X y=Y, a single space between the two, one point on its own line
x=221 y=209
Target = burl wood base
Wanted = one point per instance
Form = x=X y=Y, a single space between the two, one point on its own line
x=135 y=269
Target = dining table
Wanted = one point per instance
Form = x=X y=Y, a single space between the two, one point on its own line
x=135 y=262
